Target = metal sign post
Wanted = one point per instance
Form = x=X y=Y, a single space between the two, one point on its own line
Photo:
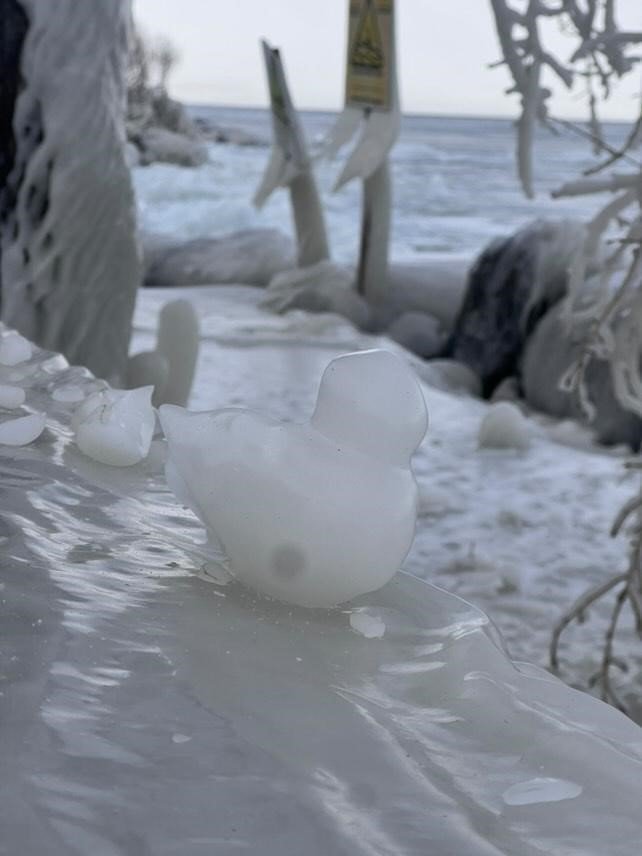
x=372 y=104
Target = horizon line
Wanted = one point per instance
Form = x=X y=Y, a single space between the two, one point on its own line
x=408 y=113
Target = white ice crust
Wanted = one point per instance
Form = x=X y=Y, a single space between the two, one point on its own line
x=311 y=514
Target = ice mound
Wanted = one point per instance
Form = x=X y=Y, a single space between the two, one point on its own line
x=311 y=514
x=504 y=427
x=23 y=430
x=14 y=349
x=115 y=427
x=170 y=367
x=11 y=396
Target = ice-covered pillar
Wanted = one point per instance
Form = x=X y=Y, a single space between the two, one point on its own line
x=290 y=166
x=70 y=264
x=372 y=104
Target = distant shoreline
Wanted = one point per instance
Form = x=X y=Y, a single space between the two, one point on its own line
x=259 y=108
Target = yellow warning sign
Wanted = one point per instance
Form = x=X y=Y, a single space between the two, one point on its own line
x=369 y=54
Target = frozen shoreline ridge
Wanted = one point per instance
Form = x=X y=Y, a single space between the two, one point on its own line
x=170 y=711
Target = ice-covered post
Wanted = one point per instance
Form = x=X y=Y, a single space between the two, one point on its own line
x=290 y=166
x=372 y=101
x=70 y=265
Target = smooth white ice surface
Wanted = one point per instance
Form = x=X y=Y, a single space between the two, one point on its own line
x=22 y=430
x=14 y=349
x=317 y=513
x=367 y=625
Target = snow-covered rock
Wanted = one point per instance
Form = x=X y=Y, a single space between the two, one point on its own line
x=251 y=257
x=550 y=351
x=510 y=287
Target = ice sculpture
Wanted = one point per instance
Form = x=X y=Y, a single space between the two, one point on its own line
x=311 y=514
x=115 y=427
x=69 y=260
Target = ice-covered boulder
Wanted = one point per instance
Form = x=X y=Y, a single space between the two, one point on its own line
x=551 y=350
x=510 y=287
x=249 y=257
x=312 y=514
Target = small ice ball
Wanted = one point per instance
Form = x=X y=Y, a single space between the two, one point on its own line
x=14 y=349
x=23 y=430
x=115 y=427
x=11 y=396
x=504 y=427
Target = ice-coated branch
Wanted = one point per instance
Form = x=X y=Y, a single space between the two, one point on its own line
x=598 y=43
x=585 y=186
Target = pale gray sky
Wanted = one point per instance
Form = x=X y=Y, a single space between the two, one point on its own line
x=444 y=47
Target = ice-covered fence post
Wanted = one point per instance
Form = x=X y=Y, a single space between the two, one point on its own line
x=69 y=256
x=290 y=166
x=372 y=100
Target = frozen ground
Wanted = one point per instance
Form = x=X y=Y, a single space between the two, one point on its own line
x=148 y=709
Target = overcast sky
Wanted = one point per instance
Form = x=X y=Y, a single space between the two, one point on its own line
x=444 y=47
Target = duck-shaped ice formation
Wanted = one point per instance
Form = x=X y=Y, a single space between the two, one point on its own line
x=311 y=514
x=116 y=426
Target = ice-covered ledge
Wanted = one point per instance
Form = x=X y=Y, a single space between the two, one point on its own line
x=147 y=710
